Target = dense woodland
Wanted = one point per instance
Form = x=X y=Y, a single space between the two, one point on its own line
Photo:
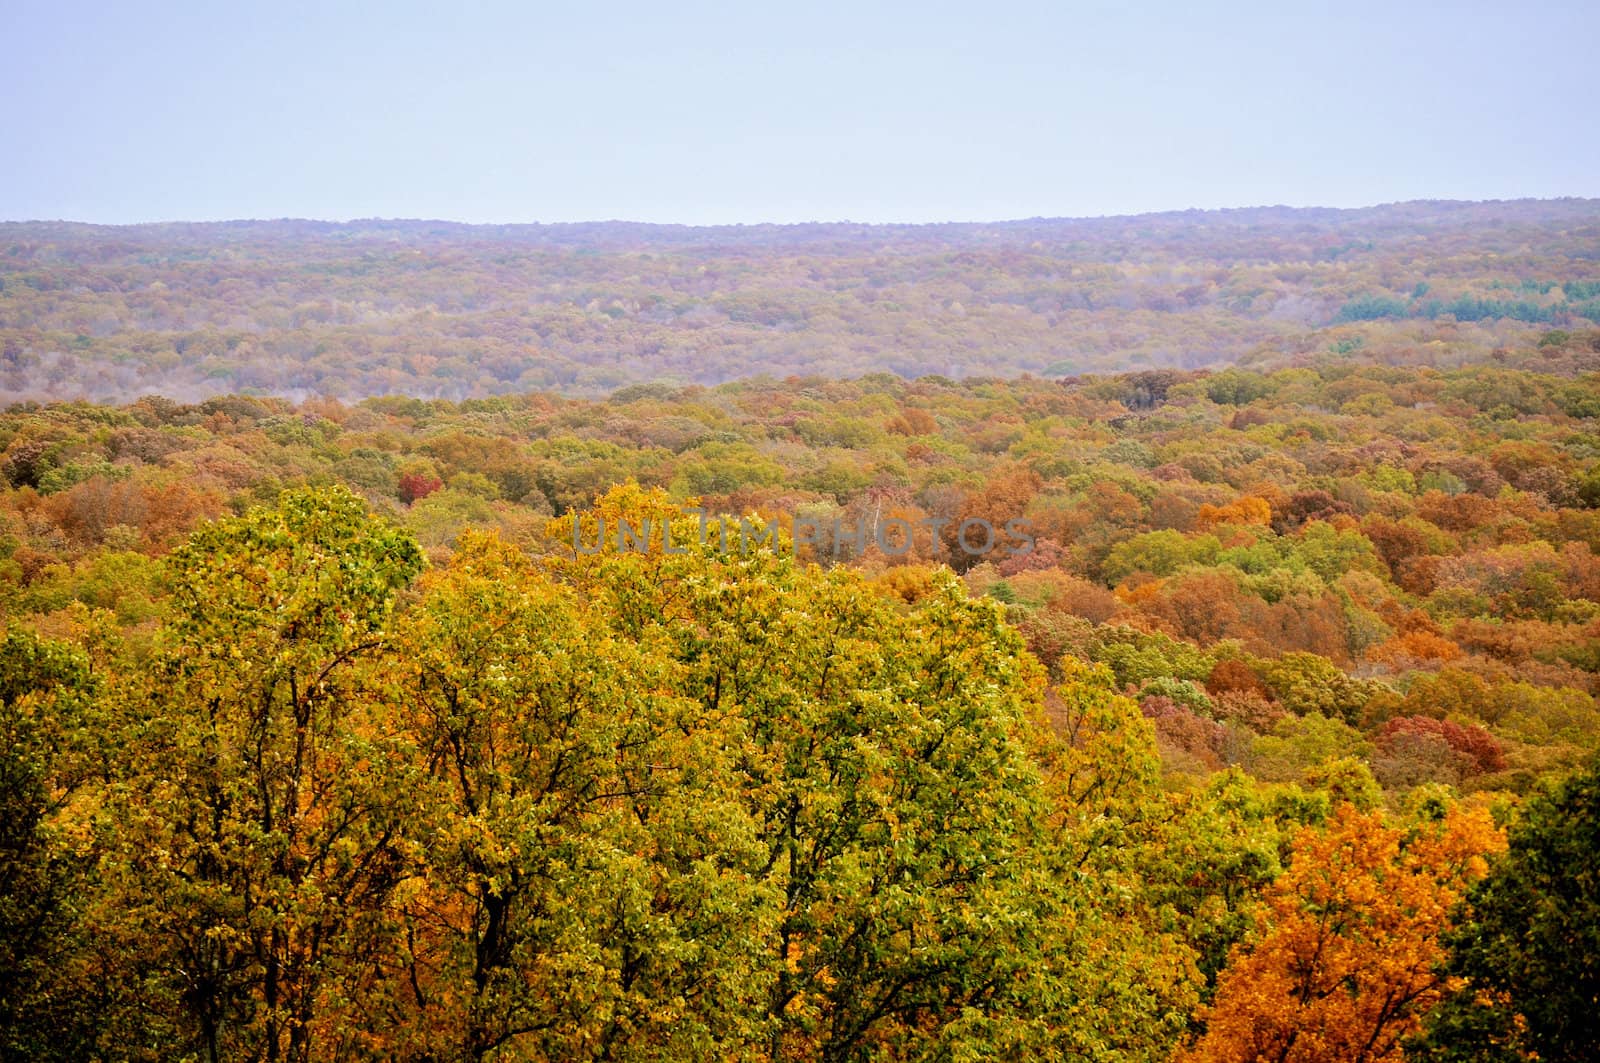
x=319 y=739
x=436 y=310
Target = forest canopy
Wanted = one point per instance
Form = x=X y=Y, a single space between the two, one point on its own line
x=439 y=310
x=343 y=716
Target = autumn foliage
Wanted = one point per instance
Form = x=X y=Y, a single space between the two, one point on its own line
x=321 y=738
x=1345 y=955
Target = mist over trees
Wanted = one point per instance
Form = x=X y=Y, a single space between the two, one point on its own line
x=441 y=310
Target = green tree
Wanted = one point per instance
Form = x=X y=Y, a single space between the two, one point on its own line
x=48 y=734
x=1525 y=949
x=592 y=886
x=930 y=894
x=1306 y=683
x=258 y=831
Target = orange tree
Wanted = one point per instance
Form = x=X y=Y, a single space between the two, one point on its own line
x=1345 y=957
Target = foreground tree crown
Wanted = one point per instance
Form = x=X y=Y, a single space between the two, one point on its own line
x=383 y=767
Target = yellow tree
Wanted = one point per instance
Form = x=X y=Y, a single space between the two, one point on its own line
x=590 y=888
x=929 y=891
x=1345 y=957
x=258 y=835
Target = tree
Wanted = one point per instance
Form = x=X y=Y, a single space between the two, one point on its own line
x=1159 y=553
x=1244 y=510
x=593 y=886
x=1305 y=683
x=259 y=840
x=48 y=733
x=928 y=892
x=1211 y=861
x=417 y=485
x=1524 y=952
x=1344 y=960
x=983 y=527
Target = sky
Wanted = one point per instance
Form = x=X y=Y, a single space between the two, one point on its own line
x=803 y=110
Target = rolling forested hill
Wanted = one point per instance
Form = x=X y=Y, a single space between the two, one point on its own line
x=441 y=310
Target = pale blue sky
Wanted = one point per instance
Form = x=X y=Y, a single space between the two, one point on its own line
x=797 y=111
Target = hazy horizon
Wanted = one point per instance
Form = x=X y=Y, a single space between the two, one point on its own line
x=758 y=223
